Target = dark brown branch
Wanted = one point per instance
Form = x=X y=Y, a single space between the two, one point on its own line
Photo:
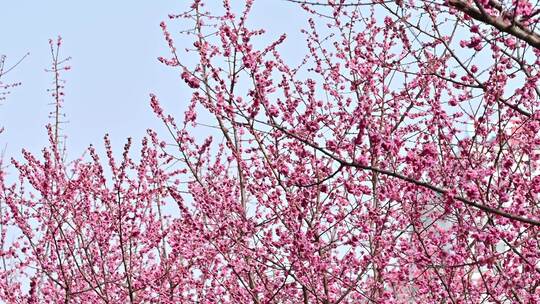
x=426 y=185
x=323 y=180
x=515 y=29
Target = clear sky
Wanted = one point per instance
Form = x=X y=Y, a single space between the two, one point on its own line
x=114 y=45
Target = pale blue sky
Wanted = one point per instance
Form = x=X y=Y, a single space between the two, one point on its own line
x=114 y=46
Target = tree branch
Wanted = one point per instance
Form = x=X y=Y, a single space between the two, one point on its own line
x=426 y=185
x=515 y=29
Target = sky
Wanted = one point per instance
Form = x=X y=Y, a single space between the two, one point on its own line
x=113 y=46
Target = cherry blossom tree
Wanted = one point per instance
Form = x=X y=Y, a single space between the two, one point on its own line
x=396 y=163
